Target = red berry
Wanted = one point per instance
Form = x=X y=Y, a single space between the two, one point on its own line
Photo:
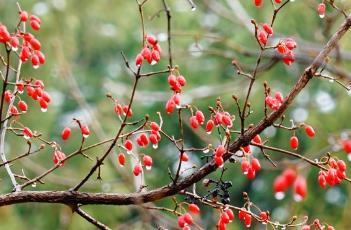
x=346 y=144
x=43 y=104
x=137 y=170
x=294 y=142
x=184 y=157
x=264 y=216
x=66 y=133
x=85 y=131
x=219 y=161
x=305 y=227
x=209 y=126
x=200 y=117
x=147 y=160
x=22 y=105
x=59 y=158
x=258 y=2
x=280 y=185
x=257 y=139
x=251 y=173
x=35 y=44
x=310 y=131
x=289 y=176
x=268 y=29
x=225 y=218
x=35 y=25
x=188 y=218
x=139 y=60
x=193 y=208
x=155 y=56
x=181 y=221
x=321 y=10
x=220 y=150
x=194 y=122
x=128 y=145
x=255 y=164
x=172 y=80
x=23 y=16
x=14 y=111
x=20 y=87
x=341 y=165
x=300 y=188
x=262 y=37
x=322 y=180
x=7 y=96
x=127 y=112
x=151 y=39
x=230 y=214
x=170 y=106
x=121 y=159
x=181 y=80
x=245 y=165
x=154 y=126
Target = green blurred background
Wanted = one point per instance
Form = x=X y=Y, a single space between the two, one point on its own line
x=83 y=40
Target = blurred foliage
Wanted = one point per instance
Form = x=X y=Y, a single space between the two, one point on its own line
x=83 y=41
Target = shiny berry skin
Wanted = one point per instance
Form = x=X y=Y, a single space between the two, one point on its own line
x=289 y=176
x=268 y=29
x=245 y=165
x=230 y=214
x=264 y=216
x=35 y=25
x=346 y=145
x=341 y=165
x=300 y=188
x=294 y=142
x=154 y=126
x=280 y=184
x=8 y=96
x=139 y=60
x=59 y=158
x=170 y=106
x=22 y=105
x=262 y=37
x=220 y=150
x=200 y=117
x=289 y=58
x=127 y=112
x=257 y=139
x=27 y=133
x=194 y=122
x=66 y=133
x=305 y=227
x=147 y=160
x=188 y=218
x=321 y=10
x=209 y=126
x=322 y=180
x=181 y=80
x=193 y=208
x=310 y=131
x=85 y=131
x=151 y=39
x=219 y=161
x=184 y=157
x=20 y=87
x=23 y=16
x=225 y=218
x=35 y=44
x=128 y=145
x=14 y=111
x=255 y=164
x=258 y=3
x=121 y=159
x=181 y=221
x=137 y=170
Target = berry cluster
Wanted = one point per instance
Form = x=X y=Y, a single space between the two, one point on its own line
x=335 y=174
x=285 y=180
x=317 y=225
x=122 y=110
x=151 y=52
x=226 y=217
x=275 y=102
x=142 y=140
x=175 y=82
x=285 y=48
